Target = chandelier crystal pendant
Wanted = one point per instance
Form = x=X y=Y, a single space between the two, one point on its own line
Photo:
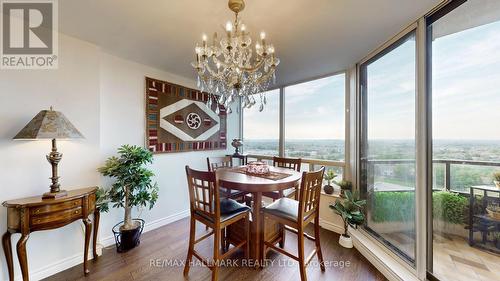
x=230 y=68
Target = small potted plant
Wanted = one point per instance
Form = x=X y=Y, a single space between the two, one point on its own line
x=496 y=179
x=344 y=186
x=329 y=176
x=350 y=209
x=133 y=187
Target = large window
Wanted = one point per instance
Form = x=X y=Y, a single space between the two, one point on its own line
x=314 y=122
x=463 y=47
x=261 y=130
x=388 y=154
x=315 y=119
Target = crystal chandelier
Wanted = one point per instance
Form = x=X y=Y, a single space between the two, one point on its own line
x=230 y=68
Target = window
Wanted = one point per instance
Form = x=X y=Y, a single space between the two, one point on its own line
x=387 y=152
x=261 y=130
x=315 y=119
x=463 y=52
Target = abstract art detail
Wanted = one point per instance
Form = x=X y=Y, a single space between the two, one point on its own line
x=178 y=119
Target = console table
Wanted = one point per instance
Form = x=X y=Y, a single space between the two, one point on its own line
x=33 y=214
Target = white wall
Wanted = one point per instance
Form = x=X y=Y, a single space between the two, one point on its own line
x=103 y=96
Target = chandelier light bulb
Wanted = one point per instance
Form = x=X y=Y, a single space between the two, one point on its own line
x=229 y=26
x=204 y=37
x=243 y=28
x=262 y=35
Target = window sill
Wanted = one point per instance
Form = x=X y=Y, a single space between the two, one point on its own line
x=389 y=266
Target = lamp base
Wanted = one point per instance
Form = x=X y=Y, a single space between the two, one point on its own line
x=54 y=195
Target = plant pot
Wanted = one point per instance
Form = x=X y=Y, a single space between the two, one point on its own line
x=497 y=184
x=128 y=239
x=345 y=241
x=328 y=189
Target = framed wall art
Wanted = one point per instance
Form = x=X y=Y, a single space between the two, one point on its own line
x=178 y=119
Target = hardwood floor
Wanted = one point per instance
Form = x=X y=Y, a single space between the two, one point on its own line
x=162 y=253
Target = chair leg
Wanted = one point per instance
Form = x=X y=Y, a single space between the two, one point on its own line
x=192 y=232
x=302 y=268
x=217 y=239
x=223 y=240
x=283 y=235
x=247 y=229
x=318 y=244
x=263 y=247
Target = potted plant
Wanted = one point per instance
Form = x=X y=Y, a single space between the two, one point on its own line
x=329 y=176
x=344 y=186
x=496 y=179
x=133 y=187
x=350 y=209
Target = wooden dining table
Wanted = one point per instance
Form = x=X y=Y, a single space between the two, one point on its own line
x=233 y=178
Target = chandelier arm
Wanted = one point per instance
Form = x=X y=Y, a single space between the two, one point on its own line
x=255 y=68
x=266 y=76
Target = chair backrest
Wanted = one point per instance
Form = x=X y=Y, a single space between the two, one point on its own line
x=310 y=192
x=203 y=192
x=289 y=163
x=215 y=163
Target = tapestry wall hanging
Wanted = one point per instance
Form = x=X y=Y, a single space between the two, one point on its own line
x=178 y=119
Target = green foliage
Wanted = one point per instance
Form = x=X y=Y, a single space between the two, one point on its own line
x=393 y=207
x=350 y=209
x=496 y=176
x=345 y=185
x=329 y=176
x=400 y=207
x=133 y=184
x=449 y=207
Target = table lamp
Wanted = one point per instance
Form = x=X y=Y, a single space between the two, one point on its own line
x=50 y=124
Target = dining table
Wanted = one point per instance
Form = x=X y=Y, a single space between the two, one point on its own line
x=236 y=178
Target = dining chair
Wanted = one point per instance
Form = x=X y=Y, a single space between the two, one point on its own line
x=207 y=207
x=288 y=163
x=215 y=163
x=296 y=215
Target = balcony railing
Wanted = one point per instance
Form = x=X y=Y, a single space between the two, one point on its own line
x=448 y=164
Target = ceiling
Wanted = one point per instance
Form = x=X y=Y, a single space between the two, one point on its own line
x=312 y=38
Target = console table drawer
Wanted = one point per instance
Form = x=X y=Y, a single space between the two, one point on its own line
x=56 y=207
x=62 y=216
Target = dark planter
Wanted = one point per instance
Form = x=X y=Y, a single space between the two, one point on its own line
x=328 y=189
x=127 y=239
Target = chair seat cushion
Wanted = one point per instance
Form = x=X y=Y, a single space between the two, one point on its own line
x=229 y=208
x=284 y=207
x=276 y=194
x=224 y=191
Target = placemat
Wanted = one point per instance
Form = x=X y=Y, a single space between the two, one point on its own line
x=275 y=176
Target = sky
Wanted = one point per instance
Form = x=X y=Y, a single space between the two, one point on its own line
x=465 y=89
x=312 y=107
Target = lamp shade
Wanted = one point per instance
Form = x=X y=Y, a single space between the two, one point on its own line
x=49 y=124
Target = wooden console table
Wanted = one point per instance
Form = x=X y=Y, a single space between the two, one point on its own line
x=33 y=214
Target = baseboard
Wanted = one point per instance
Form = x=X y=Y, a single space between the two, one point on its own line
x=392 y=269
x=74 y=260
x=110 y=240
x=56 y=267
x=331 y=226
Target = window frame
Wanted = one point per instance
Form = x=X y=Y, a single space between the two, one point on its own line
x=282 y=121
x=388 y=47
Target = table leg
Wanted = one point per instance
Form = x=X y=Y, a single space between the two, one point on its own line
x=88 y=227
x=257 y=226
x=7 y=248
x=21 y=254
x=97 y=217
